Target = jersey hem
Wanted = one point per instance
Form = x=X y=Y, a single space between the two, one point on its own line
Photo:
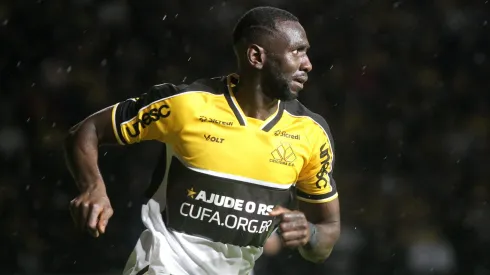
x=331 y=198
x=114 y=125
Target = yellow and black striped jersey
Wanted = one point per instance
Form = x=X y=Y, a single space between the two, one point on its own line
x=224 y=171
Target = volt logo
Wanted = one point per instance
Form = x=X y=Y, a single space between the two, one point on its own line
x=211 y=138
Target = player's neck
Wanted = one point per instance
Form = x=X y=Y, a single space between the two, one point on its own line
x=253 y=101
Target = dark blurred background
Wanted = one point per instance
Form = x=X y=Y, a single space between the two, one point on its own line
x=404 y=86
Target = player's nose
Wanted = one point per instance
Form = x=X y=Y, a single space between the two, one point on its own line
x=306 y=65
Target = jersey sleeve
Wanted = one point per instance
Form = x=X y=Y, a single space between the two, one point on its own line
x=316 y=183
x=150 y=116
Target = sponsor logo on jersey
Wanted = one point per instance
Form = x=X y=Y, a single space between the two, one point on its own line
x=285 y=134
x=146 y=119
x=321 y=176
x=215 y=121
x=216 y=202
x=211 y=138
x=283 y=155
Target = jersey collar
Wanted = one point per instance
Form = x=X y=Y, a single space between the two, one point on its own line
x=231 y=82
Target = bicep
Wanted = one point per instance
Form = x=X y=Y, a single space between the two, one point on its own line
x=101 y=123
x=327 y=212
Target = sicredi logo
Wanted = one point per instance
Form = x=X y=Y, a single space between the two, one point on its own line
x=215 y=121
x=285 y=134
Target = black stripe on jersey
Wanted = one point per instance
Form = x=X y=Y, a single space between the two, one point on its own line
x=158 y=174
x=118 y=127
x=302 y=194
x=234 y=109
x=276 y=119
x=210 y=85
x=221 y=209
x=143 y=271
x=295 y=108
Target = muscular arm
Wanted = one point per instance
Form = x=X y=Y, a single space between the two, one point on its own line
x=92 y=209
x=326 y=219
x=81 y=149
x=127 y=122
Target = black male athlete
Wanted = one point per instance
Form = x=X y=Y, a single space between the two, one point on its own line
x=235 y=148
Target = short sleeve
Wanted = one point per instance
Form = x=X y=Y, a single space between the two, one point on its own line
x=148 y=117
x=316 y=183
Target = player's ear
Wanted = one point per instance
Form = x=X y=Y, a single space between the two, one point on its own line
x=256 y=56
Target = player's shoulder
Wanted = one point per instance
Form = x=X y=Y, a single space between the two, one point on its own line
x=309 y=118
x=200 y=87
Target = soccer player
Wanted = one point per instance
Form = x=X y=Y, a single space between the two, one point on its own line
x=239 y=149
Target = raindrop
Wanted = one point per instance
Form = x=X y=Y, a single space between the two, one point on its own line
x=103 y=63
x=68 y=70
x=28 y=187
x=185 y=77
x=18 y=64
x=331 y=67
x=28 y=119
x=176 y=15
x=130 y=204
x=485 y=23
x=43 y=177
x=33 y=84
x=53 y=125
x=165 y=16
x=5 y=22
x=211 y=8
x=105 y=154
x=189 y=59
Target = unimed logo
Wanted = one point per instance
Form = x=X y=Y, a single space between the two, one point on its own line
x=321 y=176
x=147 y=118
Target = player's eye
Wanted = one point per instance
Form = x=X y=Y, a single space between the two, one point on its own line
x=301 y=50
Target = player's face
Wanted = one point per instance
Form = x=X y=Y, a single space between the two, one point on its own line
x=287 y=64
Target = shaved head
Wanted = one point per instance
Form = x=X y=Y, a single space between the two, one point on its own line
x=259 y=22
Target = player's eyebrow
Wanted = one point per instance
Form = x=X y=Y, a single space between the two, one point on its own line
x=300 y=45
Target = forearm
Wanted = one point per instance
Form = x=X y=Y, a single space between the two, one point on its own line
x=81 y=156
x=322 y=242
